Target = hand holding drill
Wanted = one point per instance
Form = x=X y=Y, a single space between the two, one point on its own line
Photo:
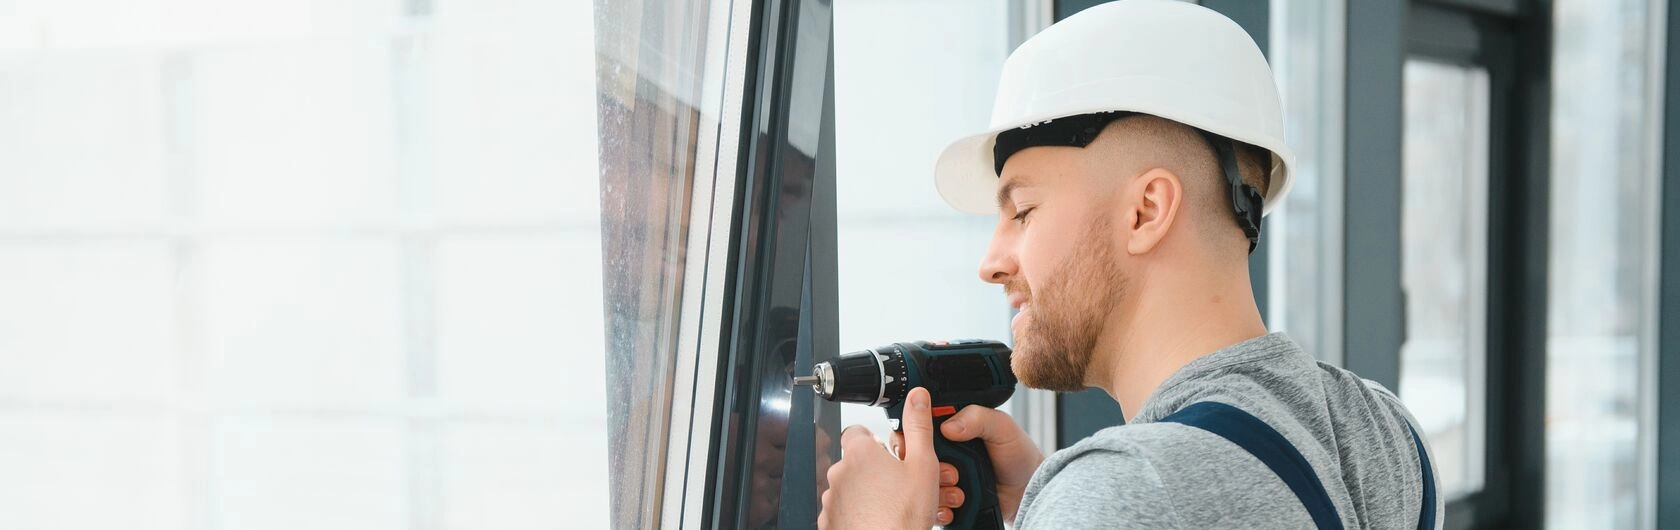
x=965 y=439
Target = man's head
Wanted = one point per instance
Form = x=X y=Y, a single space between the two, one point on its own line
x=1126 y=237
x=1082 y=230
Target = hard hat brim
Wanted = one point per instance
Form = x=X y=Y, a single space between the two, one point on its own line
x=965 y=177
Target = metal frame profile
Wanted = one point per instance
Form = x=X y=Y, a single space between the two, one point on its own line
x=776 y=314
x=713 y=203
x=1668 y=363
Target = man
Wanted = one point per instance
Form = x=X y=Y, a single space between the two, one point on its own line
x=1129 y=148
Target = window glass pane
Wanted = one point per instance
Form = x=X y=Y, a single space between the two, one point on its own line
x=1601 y=308
x=1444 y=264
x=949 y=54
x=659 y=85
x=301 y=265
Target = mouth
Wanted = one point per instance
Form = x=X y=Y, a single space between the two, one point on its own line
x=1017 y=301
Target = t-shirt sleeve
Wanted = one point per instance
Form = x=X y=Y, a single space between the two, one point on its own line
x=1102 y=489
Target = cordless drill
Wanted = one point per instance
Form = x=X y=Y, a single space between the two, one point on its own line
x=956 y=374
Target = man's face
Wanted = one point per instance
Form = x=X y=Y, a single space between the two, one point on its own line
x=1054 y=252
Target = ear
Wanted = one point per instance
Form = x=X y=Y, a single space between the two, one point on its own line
x=1159 y=194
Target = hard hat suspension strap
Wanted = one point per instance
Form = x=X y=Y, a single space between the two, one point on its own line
x=1245 y=200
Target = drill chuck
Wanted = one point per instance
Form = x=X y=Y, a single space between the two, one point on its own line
x=867 y=377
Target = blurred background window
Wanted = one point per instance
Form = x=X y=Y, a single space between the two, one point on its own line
x=1601 y=322
x=295 y=265
x=1305 y=232
x=1443 y=238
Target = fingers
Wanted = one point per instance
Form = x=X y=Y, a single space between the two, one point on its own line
x=895 y=445
x=975 y=421
x=918 y=428
x=950 y=497
x=945 y=516
x=854 y=438
x=947 y=474
x=822 y=517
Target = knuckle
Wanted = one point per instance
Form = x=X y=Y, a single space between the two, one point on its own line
x=854 y=435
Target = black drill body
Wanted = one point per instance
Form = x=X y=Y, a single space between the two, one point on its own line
x=956 y=374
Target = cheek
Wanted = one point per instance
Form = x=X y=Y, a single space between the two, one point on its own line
x=1041 y=250
x=1028 y=257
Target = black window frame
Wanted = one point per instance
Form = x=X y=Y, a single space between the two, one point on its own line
x=1668 y=338
x=782 y=277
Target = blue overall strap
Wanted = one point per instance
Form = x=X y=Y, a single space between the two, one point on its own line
x=1266 y=444
x=1426 y=520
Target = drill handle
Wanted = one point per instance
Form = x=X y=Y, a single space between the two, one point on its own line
x=979 y=510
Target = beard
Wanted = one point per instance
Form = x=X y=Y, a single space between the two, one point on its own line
x=1067 y=314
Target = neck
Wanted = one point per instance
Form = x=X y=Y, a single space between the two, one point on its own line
x=1172 y=320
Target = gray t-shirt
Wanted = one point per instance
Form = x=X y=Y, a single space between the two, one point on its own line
x=1167 y=475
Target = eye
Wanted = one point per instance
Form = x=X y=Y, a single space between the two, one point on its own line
x=1022 y=216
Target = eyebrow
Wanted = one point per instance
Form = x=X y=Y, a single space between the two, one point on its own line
x=1010 y=187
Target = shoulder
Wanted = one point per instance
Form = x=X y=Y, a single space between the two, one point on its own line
x=1157 y=475
x=1107 y=478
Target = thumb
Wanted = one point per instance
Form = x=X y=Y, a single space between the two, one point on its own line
x=918 y=428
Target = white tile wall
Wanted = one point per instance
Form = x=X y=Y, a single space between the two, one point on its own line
x=524 y=477
x=299 y=473
x=83 y=321
x=293 y=134
x=303 y=322
x=294 y=265
x=513 y=130
x=519 y=322
x=91 y=469
x=81 y=140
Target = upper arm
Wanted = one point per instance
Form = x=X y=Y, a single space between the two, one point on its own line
x=1102 y=489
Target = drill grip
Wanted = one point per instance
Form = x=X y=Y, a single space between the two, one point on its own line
x=979 y=510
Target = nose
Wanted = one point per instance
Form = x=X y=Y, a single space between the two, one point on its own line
x=999 y=265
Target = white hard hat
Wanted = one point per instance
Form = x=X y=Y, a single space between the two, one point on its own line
x=1166 y=58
